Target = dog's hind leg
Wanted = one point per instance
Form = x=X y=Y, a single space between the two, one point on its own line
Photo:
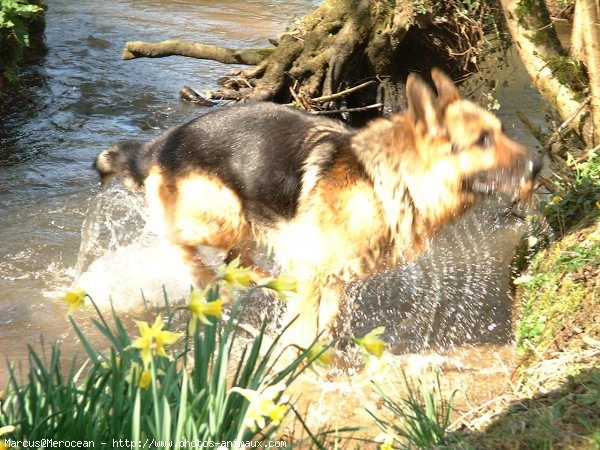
x=198 y=209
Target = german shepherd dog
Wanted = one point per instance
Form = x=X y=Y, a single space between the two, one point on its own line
x=331 y=204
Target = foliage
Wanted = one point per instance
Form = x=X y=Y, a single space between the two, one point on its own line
x=422 y=419
x=116 y=394
x=578 y=194
x=560 y=287
x=570 y=72
x=15 y=17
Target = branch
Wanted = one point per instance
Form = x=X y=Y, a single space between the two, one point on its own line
x=138 y=49
x=343 y=93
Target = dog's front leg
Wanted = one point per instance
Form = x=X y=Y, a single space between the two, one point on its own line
x=330 y=306
x=315 y=311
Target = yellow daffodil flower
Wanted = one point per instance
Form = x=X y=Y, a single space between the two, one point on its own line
x=139 y=375
x=371 y=343
x=75 y=299
x=387 y=441
x=237 y=276
x=3 y=431
x=153 y=339
x=145 y=379
x=325 y=358
x=285 y=286
x=6 y=429
x=200 y=308
x=262 y=405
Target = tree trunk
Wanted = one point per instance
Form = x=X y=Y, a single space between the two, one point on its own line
x=577 y=49
x=557 y=77
x=590 y=18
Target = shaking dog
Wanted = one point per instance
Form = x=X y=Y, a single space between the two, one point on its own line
x=331 y=204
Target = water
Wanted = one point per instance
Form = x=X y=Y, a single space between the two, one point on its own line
x=82 y=98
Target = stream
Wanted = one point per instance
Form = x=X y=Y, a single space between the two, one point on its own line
x=57 y=230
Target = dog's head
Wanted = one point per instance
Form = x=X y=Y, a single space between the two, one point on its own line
x=120 y=160
x=461 y=151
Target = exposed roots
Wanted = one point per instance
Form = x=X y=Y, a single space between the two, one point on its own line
x=345 y=43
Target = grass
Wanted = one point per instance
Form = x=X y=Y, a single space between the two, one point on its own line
x=419 y=420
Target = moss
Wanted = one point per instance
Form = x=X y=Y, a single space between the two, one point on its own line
x=561 y=287
x=569 y=73
x=578 y=196
x=533 y=16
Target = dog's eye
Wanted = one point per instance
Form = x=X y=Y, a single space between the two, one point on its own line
x=486 y=139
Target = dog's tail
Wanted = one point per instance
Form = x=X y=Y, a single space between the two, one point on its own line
x=127 y=160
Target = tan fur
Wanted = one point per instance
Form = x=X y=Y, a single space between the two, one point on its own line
x=193 y=210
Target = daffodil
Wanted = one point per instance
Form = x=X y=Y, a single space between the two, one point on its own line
x=145 y=379
x=201 y=308
x=371 y=343
x=6 y=429
x=237 y=276
x=153 y=339
x=3 y=431
x=75 y=299
x=262 y=405
x=284 y=285
x=142 y=376
x=323 y=357
x=387 y=441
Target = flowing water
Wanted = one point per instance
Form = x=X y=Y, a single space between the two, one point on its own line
x=82 y=98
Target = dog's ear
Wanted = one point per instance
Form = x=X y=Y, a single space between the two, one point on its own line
x=447 y=92
x=422 y=104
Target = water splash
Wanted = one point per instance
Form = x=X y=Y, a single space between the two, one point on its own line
x=456 y=292
x=121 y=260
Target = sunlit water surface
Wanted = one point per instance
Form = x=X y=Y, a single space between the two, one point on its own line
x=57 y=230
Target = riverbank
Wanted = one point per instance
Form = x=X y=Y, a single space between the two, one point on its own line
x=555 y=401
x=22 y=26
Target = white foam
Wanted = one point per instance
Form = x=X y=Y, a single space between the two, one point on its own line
x=124 y=273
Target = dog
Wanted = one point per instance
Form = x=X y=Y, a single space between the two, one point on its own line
x=332 y=204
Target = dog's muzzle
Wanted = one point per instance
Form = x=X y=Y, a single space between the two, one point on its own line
x=516 y=180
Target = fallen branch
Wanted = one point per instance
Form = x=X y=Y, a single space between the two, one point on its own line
x=347 y=110
x=139 y=49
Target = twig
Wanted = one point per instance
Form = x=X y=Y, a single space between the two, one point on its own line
x=340 y=111
x=343 y=93
x=296 y=98
x=566 y=123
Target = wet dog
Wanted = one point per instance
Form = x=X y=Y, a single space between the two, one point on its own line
x=331 y=204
